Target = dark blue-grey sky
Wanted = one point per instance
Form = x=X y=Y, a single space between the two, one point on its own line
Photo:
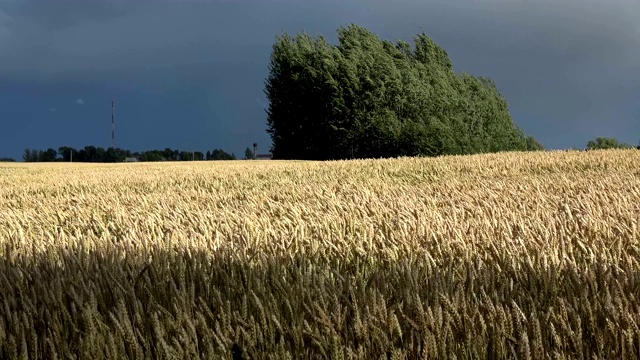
x=190 y=74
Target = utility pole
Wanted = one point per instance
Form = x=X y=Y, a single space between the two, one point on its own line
x=113 y=126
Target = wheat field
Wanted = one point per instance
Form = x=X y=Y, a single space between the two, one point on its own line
x=495 y=256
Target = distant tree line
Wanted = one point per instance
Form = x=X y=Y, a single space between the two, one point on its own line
x=98 y=154
x=112 y=155
x=602 y=143
x=368 y=98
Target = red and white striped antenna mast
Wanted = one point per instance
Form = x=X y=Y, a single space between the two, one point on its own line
x=113 y=126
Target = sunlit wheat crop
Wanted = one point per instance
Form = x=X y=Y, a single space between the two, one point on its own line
x=513 y=255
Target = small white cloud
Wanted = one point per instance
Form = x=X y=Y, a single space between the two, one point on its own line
x=52 y=109
x=80 y=101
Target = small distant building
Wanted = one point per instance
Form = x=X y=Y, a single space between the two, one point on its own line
x=260 y=156
x=131 y=159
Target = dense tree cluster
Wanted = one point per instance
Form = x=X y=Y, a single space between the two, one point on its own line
x=602 y=143
x=111 y=155
x=368 y=97
x=219 y=154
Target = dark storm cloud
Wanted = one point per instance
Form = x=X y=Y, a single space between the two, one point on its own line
x=58 y=15
x=155 y=34
x=498 y=37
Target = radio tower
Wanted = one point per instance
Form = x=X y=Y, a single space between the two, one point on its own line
x=113 y=127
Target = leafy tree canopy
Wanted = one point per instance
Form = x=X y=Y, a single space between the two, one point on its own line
x=368 y=97
x=602 y=143
x=248 y=153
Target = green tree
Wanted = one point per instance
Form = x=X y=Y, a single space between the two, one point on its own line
x=186 y=156
x=27 y=155
x=601 y=143
x=100 y=155
x=170 y=155
x=219 y=154
x=67 y=153
x=367 y=97
x=88 y=154
x=533 y=144
x=248 y=153
x=49 y=155
x=113 y=155
x=151 y=156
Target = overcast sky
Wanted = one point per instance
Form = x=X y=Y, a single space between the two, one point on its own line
x=190 y=75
